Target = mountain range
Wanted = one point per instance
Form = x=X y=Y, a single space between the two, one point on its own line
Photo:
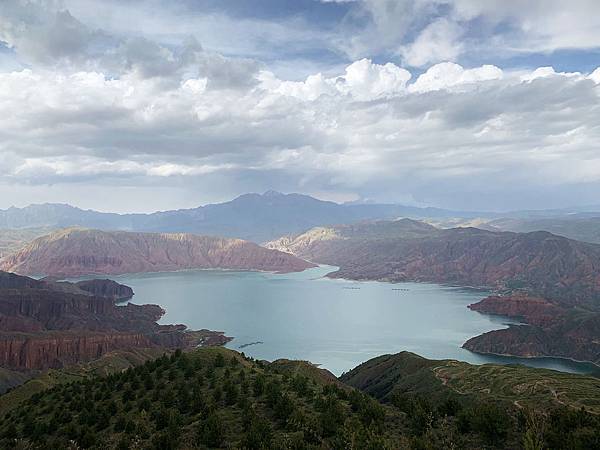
x=532 y=275
x=264 y=217
x=254 y=217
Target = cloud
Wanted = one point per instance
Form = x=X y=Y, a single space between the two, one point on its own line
x=447 y=75
x=595 y=76
x=44 y=35
x=438 y=41
x=139 y=107
x=362 y=80
x=367 y=130
x=539 y=25
x=425 y=32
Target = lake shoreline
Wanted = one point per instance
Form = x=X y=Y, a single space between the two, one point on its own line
x=235 y=303
x=490 y=291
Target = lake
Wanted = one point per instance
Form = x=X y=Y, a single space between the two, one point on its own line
x=335 y=323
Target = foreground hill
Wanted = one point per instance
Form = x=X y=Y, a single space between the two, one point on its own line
x=217 y=398
x=76 y=252
x=387 y=376
x=563 y=273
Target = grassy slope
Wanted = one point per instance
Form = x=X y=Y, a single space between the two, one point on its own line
x=109 y=363
x=540 y=388
x=522 y=386
x=217 y=398
x=207 y=398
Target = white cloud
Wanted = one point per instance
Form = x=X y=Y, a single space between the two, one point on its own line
x=365 y=80
x=595 y=76
x=130 y=110
x=439 y=41
x=425 y=32
x=446 y=75
x=362 y=80
x=367 y=129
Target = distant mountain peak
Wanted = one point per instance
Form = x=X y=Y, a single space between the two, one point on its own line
x=273 y=193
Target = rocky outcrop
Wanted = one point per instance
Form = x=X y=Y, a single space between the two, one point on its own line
x=13 y=281
x=47 y=324
x=76 y=252
x=533 y=310
x=56 y=310
x=551 y=330
x=53 y=350
x=57 y=349
x=106 y=288
x=574 y=337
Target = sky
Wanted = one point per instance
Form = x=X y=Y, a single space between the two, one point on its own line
x=137 y=106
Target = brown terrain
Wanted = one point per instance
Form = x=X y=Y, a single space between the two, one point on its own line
x=45 y=324
x=550 y=282
x=551 y=330
x=533 y=310
x=76 y=252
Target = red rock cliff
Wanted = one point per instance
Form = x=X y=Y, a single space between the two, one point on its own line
x=533 y=310
x=46 y=324
x=47 y=350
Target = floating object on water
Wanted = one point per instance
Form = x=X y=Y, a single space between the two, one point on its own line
x=250 y=343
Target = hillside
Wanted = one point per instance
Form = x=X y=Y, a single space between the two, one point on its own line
x=12 y=240
x=407 y=250
x=76 y=252
x=579 y=226
x=387 y=376
x=218 y=398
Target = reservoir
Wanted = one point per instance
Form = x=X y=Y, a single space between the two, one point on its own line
x=335 y=323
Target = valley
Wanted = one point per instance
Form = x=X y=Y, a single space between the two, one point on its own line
x=299 y=225
x=332 y=322
x=489 y=311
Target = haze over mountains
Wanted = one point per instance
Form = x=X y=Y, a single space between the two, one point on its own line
x=264 y=217
x=255 y=217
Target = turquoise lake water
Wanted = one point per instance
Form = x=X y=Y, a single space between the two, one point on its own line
x=335 y=323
